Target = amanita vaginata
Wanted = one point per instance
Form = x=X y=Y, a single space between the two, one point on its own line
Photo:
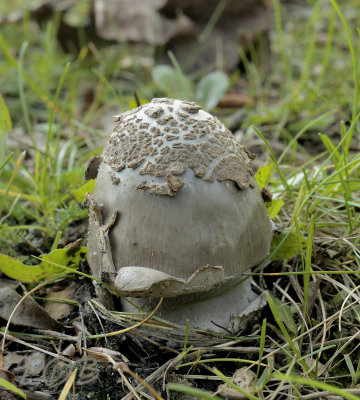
x=176 y=213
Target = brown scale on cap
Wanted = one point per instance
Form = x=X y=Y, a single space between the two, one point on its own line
x=190 y=137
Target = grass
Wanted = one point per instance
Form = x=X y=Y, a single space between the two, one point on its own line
x=303 y=118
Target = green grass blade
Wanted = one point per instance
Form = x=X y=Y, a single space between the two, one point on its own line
x=316 y=384
x=22 y=94
x=5 y=127
x=281 y=41
x=261 y=352
x=9 y=386
x=308 y=259
x=52 y=109
x=195 y=393
x=274 y=160
x=8 y=158
x=314 y=23
x=284 y=331
x=354 y=67
x=313 y=122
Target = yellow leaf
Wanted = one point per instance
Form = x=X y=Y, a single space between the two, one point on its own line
x=80 y=193
x=263 y=175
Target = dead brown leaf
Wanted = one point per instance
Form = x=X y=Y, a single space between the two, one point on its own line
x=29 y=313
x=244 y=379
x=138 y=21
x=60 y=310
x=234 y=100
x=183 y=27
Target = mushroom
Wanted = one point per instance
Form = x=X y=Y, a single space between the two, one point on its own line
x=176 y=213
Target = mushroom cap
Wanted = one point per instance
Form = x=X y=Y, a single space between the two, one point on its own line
x=175 y=209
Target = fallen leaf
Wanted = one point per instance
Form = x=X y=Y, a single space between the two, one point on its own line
x=244 y=379
x=59 y=310
x=172 y=82
x=5 y=373
x=80 y=193
x=29 y=313
x=274 y=207
x=263 y=175
x=210 y=89
x=289 y=248
x=80 y=328
x=138 y=21
x=69 y=351
x=102 y=353
x=183 y=26
x=9 y=283
x=70 y=258
x=234 y=100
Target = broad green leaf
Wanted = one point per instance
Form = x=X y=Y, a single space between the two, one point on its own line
x=263 y=175
x=173 y=83
x=210 y=88
x=274 y=207
x=262 y=178
x=5 y=127
x=289 y=248
x=80 y=193
x=70 y=258
x=286 y=314
x=9 y=386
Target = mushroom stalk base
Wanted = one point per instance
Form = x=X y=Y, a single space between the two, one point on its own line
x=212 y=314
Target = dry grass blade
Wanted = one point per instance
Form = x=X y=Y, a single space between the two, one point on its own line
x=155 y=376
x=130 y=328
x=66 y=389
x=122 y=367
x=58 y=356
x=146 y=385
